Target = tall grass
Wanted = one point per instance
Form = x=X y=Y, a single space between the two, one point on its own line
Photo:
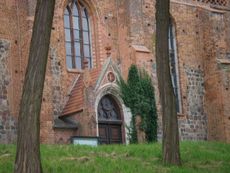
x=197 y=157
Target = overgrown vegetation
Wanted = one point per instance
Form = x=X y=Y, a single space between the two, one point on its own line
x=138 y=94
x=197 y=157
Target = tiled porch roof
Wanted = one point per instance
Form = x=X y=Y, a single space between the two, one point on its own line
x=76 y=99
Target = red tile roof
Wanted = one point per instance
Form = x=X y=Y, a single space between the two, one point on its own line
x=76 y=99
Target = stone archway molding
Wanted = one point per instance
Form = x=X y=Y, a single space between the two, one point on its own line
x=113 y=90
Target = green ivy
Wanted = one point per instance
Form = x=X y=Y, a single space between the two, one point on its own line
x=138 y=94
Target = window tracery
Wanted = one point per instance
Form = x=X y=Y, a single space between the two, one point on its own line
x=77 y=36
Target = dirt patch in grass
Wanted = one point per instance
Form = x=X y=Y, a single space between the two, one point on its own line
x=79 y=159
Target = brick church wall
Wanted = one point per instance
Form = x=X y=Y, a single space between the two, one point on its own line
x=192 y=118
x=14 y=38
x=216 y=68
x=210 y=33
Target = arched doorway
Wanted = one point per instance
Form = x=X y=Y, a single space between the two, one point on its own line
x=109 y=121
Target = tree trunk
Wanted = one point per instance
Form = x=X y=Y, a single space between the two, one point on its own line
x=28 y=143
x=171 y=153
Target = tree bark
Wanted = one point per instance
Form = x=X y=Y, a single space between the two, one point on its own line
x=28 y=143
x=170 y=147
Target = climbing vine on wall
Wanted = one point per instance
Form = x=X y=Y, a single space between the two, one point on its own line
x=138 y=94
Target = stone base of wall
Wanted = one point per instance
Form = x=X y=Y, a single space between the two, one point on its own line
x=192 y=130
x=7 y=122
x=8 y=129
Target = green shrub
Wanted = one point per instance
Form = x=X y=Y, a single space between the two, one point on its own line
x=138 y=94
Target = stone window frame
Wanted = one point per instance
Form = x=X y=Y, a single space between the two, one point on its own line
x=174 y=64
x=73 y=43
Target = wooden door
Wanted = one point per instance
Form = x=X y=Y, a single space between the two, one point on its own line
x=110 y=133
x=109 y=121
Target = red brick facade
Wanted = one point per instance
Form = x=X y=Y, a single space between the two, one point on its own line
x=71 y=96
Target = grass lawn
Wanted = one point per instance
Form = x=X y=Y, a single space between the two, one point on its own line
x=203 y=157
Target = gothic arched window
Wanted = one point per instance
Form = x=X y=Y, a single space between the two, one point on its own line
x=174 y=65
x=77 y=36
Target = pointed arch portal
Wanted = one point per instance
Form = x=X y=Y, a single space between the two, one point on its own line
x=109 y=121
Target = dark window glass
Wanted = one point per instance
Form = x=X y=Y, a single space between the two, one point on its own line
x=77 y=48
x=174 y=64
x=66 y=20
x=77 y=35
x=67 y=35
x=86 y=37
x=69 y=61
x=86 y=50
x=78 y=62
x=75 y=10
x=68 y=48
x=85 y=24
x=75 y=22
